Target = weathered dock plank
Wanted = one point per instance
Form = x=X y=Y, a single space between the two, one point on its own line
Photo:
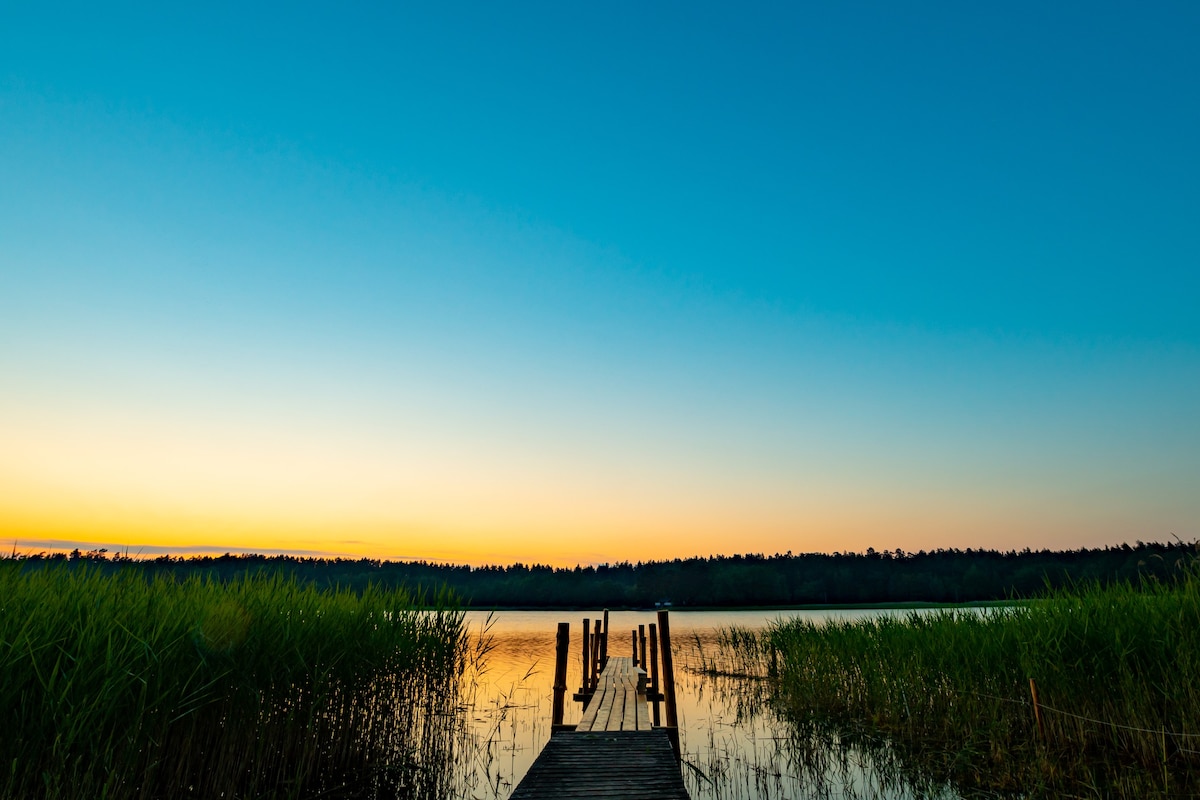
x=619 y=702
x=605 y=764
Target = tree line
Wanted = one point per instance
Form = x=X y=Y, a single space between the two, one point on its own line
x=754 y=579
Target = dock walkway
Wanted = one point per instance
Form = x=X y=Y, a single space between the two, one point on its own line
x=605 y=764
x=619 y=702
x=614 y=751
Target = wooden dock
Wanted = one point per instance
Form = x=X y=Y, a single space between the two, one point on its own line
x=618 y=749
x=619 y=700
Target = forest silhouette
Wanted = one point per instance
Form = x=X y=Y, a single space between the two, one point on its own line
x=786 y=580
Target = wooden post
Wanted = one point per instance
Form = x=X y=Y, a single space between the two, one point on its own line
x=642 y=645
x=664 y=632
x=584 y=686
x=560 y=672
x=654 y=673
x=596 y=655
x=1037 y=710
x=604 y=642
x=634 y=636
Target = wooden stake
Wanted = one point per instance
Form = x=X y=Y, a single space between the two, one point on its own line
x=654 y=673
x=664 y=632
x=642 y=646
x=633 y=635
x=584 y=686
x=596 y=655
x=604 y=643
x=1037 y=710
x=561 y=648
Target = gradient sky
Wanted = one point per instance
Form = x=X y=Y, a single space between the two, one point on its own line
x=567 y=283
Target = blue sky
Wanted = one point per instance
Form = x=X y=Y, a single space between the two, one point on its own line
x=487 y=283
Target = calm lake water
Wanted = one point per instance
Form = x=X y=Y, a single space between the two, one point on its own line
x=734 y=745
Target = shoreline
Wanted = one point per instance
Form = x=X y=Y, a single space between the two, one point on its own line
x=910 y=605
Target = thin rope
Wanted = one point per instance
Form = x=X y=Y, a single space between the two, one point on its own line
x=1044 y=707
x=1161 y=732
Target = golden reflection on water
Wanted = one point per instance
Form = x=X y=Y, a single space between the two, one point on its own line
x=734 y=745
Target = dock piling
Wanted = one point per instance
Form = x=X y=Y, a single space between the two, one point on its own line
x=604 y=643
x=654 y=696
x=664 y=632
x=561 y=648
x=585 y=685
x=595 y=655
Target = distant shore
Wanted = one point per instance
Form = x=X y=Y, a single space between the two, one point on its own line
x=915 y=605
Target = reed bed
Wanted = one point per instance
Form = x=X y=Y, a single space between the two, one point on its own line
x=745 y=746
x=115 y=686
x=1116 y=670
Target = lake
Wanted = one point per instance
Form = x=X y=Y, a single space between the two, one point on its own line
x=734 y=745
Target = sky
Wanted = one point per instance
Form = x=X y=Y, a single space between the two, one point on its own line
x=574 y=283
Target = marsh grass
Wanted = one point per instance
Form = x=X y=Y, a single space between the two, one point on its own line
x=747 y=747
x=115 y=686
x=1117 y=671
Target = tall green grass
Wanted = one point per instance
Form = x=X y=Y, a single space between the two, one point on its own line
x=112 y=686
x=1117 y=671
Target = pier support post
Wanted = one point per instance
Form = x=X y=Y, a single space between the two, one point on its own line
x=664 y=632
x=585 y=685
x=560 y=672
x=596 y=655
x=604 y=642
x=654 y=674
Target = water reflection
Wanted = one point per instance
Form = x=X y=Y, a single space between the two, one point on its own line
x=735 y=744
